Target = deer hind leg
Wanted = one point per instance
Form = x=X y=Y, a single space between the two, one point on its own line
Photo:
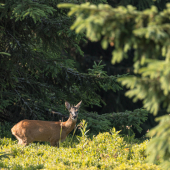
x=20 y=141
x=23 y=141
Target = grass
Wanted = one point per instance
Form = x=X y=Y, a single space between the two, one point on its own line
x=104 y=151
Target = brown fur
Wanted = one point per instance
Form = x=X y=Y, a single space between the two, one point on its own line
x=27 y=131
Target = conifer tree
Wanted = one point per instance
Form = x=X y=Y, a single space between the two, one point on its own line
x=147 y=32
x=38 y=72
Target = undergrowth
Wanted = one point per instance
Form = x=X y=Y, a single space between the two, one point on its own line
x=104 y=151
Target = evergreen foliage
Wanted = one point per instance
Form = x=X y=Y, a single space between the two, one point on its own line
x=160 y=140
x=121 y=120
x=38 y=72
x=126 y=28
x=140 y=5
x=147 y=32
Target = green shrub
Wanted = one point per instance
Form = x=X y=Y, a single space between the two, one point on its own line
x=105 y=151
x=103 y=123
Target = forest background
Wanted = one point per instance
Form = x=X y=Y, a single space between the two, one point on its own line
x=47 y=63
x=44 y=63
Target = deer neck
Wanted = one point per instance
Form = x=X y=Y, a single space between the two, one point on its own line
x=70 y=125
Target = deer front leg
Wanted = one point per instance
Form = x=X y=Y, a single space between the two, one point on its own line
x=54 y=143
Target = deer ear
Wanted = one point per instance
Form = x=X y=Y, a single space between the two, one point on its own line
x=67 y=104
x=78 y=105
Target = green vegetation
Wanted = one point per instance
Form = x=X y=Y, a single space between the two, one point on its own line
x=38 y=67
x=147 y=33
x=102 y=123
x=138 y=30
x=104 y=151
x=41 y=68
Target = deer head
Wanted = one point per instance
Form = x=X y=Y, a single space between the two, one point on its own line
x=73 y=110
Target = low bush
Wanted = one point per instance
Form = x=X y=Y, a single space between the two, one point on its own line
x=104 y=151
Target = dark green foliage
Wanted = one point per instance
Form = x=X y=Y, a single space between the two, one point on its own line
x=140 y=4
x=5 y=129
x=122 y=120
x=143 y=4
x=38 y=71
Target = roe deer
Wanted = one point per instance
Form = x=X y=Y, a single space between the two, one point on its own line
x=27 y=131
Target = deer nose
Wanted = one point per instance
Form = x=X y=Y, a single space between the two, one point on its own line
x=74 y=117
